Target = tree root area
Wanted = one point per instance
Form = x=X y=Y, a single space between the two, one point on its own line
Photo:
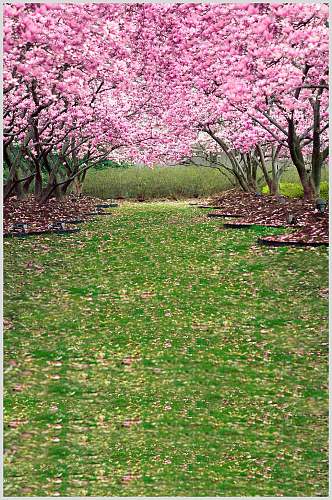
x=41 y=219
x=276 y=211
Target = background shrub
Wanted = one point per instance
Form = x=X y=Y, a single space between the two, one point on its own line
x=123 y=180
x=144 y=183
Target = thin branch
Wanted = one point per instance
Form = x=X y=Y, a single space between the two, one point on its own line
x=273 y=121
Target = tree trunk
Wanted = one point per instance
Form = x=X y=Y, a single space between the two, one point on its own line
x=241 y=181
x=54 y=189
x=27 y=184
x=12 y=187
x=251 y=180
x=276 y=172
x=271 y=183
x=38 y=185
x=274 y=187
x=254 y=172
x=316 y=160
x=49 y=190
x=77 y=186
x=236 y=168
x=15 y=187
x=298 y=160
x=59 y=193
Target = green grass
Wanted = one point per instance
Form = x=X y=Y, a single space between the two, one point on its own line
x=291 y=175
x=174 y=183
x=229 y=348
x=295 y=190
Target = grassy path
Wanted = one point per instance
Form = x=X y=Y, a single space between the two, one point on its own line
x=153 y=354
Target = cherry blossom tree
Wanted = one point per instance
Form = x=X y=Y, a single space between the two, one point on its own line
x=267 y=65
x=72 y=96
x=51 y=91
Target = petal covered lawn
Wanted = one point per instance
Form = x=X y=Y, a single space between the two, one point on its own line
x=153 y=354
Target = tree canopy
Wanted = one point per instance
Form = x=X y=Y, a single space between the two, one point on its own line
x=147 y=82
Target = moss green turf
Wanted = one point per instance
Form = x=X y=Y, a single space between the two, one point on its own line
x=155 y=354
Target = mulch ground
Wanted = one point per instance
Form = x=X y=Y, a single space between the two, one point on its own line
x=41 y=218
x=310 y=227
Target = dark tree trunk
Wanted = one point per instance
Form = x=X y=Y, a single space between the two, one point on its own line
x=46 y=194
x=55 y=189
x=26 y=185
x=316 y=161
x=38 y=183
x=298 y=160
x=9 y=188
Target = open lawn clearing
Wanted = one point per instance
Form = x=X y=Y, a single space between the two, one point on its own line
x=154 y=354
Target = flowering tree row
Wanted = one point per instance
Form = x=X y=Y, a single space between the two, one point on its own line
x=147 y=82
x=253 y=78
x=72 y=96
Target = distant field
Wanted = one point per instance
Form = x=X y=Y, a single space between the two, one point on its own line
x=161 y=182
x=175 y=183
